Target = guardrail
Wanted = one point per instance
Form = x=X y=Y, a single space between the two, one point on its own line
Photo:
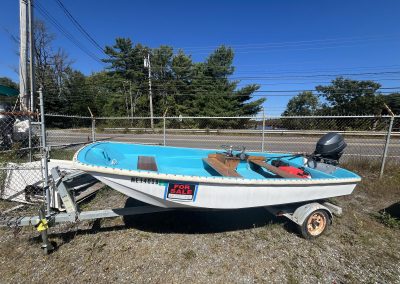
x=249 y=131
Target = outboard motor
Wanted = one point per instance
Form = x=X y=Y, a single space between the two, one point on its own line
x=329 y=148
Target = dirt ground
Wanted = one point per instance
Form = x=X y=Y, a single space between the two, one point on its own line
x=217 y=247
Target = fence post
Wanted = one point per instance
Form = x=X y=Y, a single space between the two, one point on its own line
x=93 y=129
x=164 y=133
x=263 y=132
x=44 y=149
x=93 y=125
x=30 y=138
x=386 y=146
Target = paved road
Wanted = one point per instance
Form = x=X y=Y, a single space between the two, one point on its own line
x=365 y=146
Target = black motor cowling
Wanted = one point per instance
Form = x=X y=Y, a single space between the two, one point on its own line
x=330 y=148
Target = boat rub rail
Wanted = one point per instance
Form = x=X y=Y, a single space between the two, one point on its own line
x=218 y=180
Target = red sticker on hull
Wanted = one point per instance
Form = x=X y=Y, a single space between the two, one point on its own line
x=181 y=191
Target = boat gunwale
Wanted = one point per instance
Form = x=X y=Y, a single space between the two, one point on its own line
x=209 y=180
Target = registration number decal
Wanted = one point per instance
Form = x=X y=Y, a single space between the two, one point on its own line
x=181 y=191
x=144 y=180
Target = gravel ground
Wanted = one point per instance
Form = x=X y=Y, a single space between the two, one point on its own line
x=239 y=246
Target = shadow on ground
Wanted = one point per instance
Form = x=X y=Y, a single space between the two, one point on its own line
x=199 y=221
x=393 y=210
x=179 y=222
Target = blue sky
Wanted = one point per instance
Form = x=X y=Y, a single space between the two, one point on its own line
x=283 y=45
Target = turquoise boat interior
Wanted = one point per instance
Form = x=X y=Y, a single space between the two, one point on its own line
x=188 y=161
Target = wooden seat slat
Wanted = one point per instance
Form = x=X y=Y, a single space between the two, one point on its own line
x=147 y=163
x=220 y=168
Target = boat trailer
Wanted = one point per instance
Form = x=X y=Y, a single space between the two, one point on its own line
x=312 y=218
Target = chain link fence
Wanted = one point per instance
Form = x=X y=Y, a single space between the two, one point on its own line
x=366 y=136
x=21 y=178
x=393 y=152
x=79 y=130
x=125 y=129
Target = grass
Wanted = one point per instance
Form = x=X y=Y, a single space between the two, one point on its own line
x=239 y=246
x=364 y=166
x=388 y=220
x=62 y=154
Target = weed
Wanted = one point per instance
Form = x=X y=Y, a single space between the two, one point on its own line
x=362 y=164
x=189 y=254
x=291 y=279
x=387 y=219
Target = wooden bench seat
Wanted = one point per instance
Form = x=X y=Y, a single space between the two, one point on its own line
x=221 y=168
x=147 y=163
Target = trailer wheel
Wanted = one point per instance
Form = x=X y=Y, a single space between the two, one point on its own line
x=315 y=224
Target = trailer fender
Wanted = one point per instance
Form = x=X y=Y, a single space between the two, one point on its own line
x=302 y=212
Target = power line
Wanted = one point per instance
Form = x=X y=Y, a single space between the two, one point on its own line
x=164 y=87
x=305 y=82
x=301 y=63
x=390 y=71
x=224 y=67
x=282 y=93
x=283 y=79
x=274 y=45
x=79 y=26
x=68 y=35
x=232 y=95
x=306 y=71
x=320 y=75
x=309 y=90
x=279 y=49
x=207 y=80
x=207 y=83
x=314 y=41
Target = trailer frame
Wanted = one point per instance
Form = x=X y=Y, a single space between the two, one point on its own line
x=296 y=212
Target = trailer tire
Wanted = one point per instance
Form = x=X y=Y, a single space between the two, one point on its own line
x=315 y=224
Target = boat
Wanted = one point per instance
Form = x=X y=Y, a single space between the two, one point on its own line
x=231 y=178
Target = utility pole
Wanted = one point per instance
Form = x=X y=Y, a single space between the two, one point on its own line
x=31 y=56
x=23 y=54
x=148 y=65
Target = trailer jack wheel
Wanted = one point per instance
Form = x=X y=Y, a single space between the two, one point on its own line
x=315 y=224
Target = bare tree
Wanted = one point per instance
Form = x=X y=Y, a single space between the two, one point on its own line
x=43 y=51
x=50 y=65
x=61 y=64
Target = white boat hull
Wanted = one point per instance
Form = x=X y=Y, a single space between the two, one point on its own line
x=178 y=194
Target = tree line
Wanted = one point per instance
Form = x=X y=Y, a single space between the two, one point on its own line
x=180 y=86
x=343 y=97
